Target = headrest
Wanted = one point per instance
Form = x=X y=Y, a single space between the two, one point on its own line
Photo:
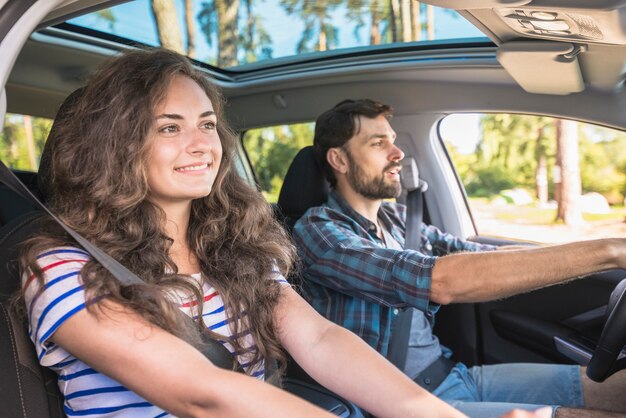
x=44 y=174
x=304 y=186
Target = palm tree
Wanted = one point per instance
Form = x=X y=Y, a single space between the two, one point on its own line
x=219 y=18
x=416 y=20
x=316 y=17
x=191 y=30
x=166 y=20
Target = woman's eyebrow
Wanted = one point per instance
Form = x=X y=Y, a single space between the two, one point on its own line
x=177 y=116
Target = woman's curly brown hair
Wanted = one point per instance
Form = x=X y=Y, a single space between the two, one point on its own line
x=97 y=184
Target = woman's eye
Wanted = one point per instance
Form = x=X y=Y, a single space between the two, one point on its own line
x=169 y=129
x=209 y=125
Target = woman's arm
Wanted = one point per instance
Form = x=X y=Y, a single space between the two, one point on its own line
x=342 y=362
x=167 y=371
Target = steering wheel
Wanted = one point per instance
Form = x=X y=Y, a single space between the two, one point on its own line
x=608 y=357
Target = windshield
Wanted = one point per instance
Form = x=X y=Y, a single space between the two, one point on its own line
x=233 y=34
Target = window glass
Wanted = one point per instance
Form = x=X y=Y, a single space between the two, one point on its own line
x=271 y=150
x=222 y=34
x=22 y=139
x=538 y=178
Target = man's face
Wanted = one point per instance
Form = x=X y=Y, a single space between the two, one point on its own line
x=373 y=160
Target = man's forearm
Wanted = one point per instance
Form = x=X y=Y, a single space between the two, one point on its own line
x=479 y=277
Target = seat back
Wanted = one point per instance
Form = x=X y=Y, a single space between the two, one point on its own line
x=13 y=205
x=304 y=187
x=26 y=389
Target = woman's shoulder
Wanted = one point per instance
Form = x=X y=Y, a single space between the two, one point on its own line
x=55 y=263
x=59 y=254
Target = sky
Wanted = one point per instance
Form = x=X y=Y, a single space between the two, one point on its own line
x=462 y=130
x=134 y=20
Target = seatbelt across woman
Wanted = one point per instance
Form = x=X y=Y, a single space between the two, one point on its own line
x=211 y=348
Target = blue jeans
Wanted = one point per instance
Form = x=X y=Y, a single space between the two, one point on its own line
x=491 y=391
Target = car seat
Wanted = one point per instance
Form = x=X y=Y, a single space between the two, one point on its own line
x=304 y=187
x=26 y=389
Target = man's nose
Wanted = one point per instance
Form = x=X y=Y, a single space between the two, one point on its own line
x=396 y=153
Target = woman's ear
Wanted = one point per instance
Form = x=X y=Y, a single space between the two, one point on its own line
x=337 y=159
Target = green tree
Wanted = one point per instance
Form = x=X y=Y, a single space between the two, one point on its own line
x=237 y=42
x=603 y=158
x=271 y=150
x=219 y=19
x=16 y=148
x=319 y=33
x=521 y=145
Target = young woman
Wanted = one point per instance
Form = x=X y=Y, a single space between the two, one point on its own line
x=142 y=165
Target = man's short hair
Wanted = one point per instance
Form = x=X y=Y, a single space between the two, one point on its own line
x=336 y=126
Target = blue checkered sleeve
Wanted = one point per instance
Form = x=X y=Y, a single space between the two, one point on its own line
x=340 y=256
x=443 y=243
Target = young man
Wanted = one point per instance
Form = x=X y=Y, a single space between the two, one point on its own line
x=357 y=273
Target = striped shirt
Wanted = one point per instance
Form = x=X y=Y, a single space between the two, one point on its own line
x=353 y=279
x=86 y=391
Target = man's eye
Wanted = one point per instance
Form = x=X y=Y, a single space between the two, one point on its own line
x=169 y=129
x=377 y=143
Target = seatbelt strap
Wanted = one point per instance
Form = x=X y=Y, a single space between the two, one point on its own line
x=211 y=348
x=401 y=324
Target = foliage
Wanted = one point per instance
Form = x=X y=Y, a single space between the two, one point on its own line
x=248 y=42
x=271 y=150
x=318 y=28
x=486 y=181
x=13 y=145
x=509 y=148
x=107 y=16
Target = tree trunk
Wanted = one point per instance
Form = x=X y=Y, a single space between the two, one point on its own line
x=416 y=17
x=393 y=16
x=30 y=142
x=227 y=32
x=167 y=25
x=322 y=44
x=405 y=10
x=568 y=163
x=541 y=179
x=430 y=22
x=191 y=29
x=375 y=36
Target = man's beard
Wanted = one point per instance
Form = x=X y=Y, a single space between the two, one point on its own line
x=375 y=188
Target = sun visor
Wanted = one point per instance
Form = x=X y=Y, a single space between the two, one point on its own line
x=543 y=66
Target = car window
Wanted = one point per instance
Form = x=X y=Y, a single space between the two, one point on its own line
x=259 y=32
x=22 y=139
x=539 y=178
x=271 y=150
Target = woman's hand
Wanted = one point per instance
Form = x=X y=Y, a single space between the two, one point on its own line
x=545 y=412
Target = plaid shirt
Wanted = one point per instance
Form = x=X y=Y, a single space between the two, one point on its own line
x=354 y=280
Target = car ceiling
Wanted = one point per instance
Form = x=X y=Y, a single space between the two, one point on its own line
x=415 y=80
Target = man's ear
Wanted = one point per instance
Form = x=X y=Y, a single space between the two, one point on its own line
x=337 y=159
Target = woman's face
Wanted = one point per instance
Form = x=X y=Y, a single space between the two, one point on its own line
x=186 y=150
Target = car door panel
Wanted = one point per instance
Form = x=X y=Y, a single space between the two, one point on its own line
x=523 y=328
